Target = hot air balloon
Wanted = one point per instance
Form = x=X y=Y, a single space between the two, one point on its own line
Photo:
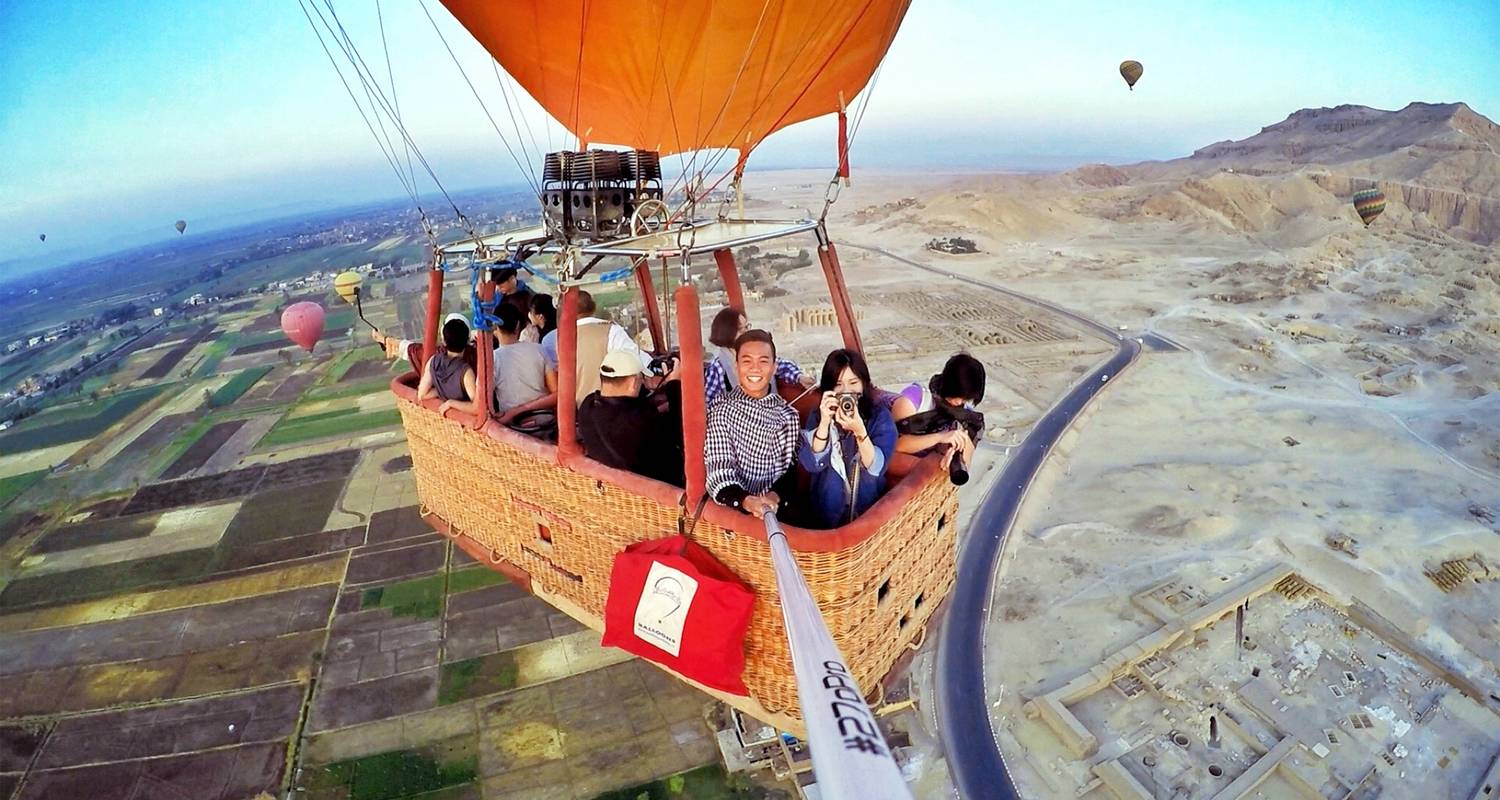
x=1368 y=203
x=633 y=74
x=753 y=83
x=1131 y=72
x=181 y=225
x=348 y=284
x=303 y=324
x=42 y=236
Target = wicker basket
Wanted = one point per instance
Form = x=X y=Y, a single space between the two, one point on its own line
x=558 y=526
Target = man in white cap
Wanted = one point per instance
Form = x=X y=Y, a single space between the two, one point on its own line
x=624 y=428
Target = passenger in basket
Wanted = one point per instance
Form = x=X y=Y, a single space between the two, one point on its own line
x=847 y=443
x=448 y=376
x=720 y=372
x=397 y=348
x=595 y=338
x=510 y=291
x=942 y=415
x=752 y=433
x=627 y=428
x=543 y=317
x=523 y=380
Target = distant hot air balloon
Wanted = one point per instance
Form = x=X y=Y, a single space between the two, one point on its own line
x=1131 y=72
x=303 y=324
x=1368 y=203
x=181 y=225
x=42 y=236
x=347 y=285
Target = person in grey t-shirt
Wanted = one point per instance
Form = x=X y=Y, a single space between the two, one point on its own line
x=523 y=379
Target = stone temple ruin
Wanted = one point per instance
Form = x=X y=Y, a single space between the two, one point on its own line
x=1270 y=688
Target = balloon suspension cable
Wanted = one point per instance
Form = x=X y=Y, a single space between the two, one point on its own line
x=526 y=173
x=379 y=104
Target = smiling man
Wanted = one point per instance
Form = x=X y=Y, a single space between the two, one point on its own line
x=752 y=433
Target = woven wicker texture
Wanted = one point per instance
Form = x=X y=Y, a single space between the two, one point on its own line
x=565 y=528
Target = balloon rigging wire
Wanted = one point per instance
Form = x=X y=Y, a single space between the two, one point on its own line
x=765 y=99
x=494 y=65
x=530 y=178
x=348 y=45
x=391 y=75
x=360 y=108
x=355 y=61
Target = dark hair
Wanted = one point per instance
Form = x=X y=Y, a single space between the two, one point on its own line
x=585 y=303
x=755 y=335
x=833 y=367
x=725 y=327
x=541 y=304
x=502 y=274
x=455 y=335
x=510 y=319
x=962 y=378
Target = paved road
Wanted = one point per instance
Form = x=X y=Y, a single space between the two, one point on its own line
x=967 y=732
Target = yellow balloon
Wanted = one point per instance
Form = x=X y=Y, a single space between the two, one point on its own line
x=347 y=285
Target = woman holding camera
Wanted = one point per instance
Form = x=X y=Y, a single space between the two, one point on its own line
x=847 y=444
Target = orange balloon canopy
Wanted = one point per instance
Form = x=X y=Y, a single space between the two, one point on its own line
x=676 y=75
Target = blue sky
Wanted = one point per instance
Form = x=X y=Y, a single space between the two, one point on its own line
x=116 y=118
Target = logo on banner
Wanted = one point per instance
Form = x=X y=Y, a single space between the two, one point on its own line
x=663 y=607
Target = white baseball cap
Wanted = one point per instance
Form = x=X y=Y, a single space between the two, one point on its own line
x=620 y=364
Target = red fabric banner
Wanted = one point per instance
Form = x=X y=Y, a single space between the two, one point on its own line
x=671 y=602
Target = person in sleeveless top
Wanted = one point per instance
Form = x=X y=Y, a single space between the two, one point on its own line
x=448 y=376
x=959 y=386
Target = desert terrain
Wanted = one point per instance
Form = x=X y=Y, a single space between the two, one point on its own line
x=1335 y=409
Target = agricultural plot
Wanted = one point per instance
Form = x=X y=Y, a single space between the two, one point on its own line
x=293 y=387
x=30 y=436
x=362 y=370
x=242 y=482
x=261 y=347
x=172 y=357
x=13 y=486
x=201 y=450
x=152 y=440
x=92 y=532
x=238 y=385
x=335 y=423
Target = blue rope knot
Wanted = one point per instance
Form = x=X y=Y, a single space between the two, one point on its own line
x=482 y=317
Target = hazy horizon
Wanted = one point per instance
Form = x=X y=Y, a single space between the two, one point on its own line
x=111 y=142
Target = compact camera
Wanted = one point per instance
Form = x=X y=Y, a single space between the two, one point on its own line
x=848 y=403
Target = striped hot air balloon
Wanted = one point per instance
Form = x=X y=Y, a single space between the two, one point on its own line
x=1368 y=203
x=1131 y=71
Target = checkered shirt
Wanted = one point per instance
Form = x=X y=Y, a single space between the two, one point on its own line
x=750 y=442
x=716 y=380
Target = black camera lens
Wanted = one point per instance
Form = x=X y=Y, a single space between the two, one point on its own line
x=956 y=471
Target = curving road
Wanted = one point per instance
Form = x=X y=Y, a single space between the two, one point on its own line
x=968 y=735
